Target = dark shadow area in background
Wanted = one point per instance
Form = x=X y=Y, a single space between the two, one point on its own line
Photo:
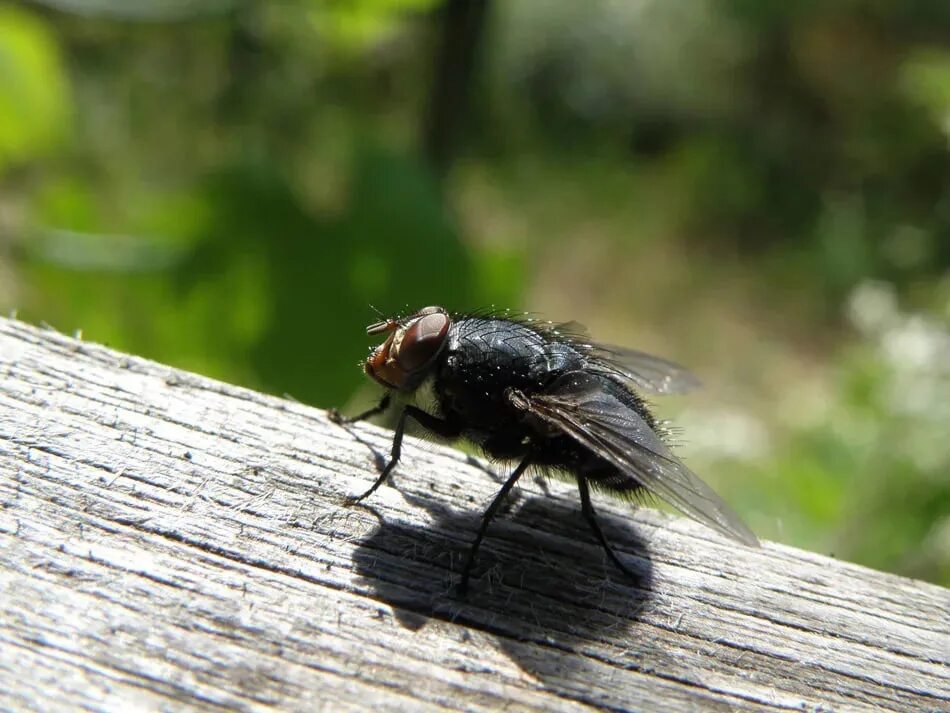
x=524 y=591
x=392 y=245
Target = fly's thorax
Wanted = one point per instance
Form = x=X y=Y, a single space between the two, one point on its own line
x=505 y=353
x=485 y=358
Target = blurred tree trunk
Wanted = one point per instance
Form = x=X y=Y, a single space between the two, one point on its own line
x=462 y=23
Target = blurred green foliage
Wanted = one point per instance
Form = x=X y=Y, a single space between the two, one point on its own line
x=757 y=187
x=33 y=88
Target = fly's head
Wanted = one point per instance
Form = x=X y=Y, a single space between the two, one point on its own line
x=410 y=351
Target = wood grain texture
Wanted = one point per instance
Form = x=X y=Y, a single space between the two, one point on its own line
x=172 y=542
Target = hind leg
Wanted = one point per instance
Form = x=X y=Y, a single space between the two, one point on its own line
x=588 y=510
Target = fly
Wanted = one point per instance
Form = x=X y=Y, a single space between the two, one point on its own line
x=541 y=394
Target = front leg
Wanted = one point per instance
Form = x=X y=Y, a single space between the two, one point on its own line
x=438 y=426
x=338 y=418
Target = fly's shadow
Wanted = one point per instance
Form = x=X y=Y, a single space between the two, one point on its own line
x=540 y=576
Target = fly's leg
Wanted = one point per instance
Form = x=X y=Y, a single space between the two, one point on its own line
x=337 y=417
x=588 y=510
x=438 y=426
x=487 y=518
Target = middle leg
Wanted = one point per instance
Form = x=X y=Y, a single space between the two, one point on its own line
x=486 y=519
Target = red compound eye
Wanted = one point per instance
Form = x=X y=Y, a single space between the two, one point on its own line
x=423 y=340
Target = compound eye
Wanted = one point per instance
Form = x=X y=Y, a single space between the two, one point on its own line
x=422 y=341
x=429 y=310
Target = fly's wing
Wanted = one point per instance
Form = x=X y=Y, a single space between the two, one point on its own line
x=647 y=372
x=578 y=405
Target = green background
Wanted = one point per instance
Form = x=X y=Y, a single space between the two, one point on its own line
x=759 y=189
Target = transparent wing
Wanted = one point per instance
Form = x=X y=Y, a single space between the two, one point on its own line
x=647 y=372
x=578 y=405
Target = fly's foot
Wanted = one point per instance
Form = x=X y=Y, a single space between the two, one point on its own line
x=357 y=499
x=351 y=500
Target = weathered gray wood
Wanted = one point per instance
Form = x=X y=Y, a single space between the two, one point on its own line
x=168 y=541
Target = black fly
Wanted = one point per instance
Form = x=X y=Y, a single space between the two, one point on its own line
x=541 y=394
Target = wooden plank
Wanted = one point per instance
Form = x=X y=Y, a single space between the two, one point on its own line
x=171 y=541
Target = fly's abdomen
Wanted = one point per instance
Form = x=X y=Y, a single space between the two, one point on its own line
x=604 y=476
